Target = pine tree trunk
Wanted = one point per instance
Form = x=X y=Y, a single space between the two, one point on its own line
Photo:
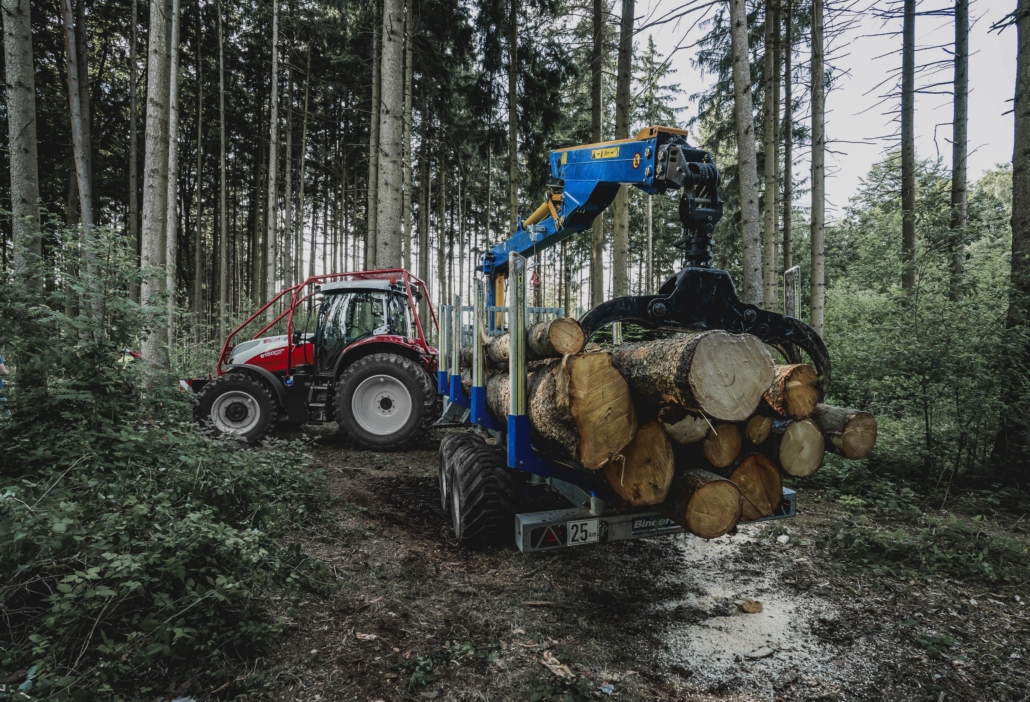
x=777 y=85
x=288 y=264
x=596 y=83
x=79 y=115
x=198 y=243
x=959 y=140
x=424 y=204
x=620 y=235
x=746 y=159
x=389 y=197
x=409 y=85
x=441 y=235
x=223 y=250
x=788 y=139
x=303 y=161
x=513 y=133
x=21 y=122
x=155 y=167
x=771 y=187
x=372 y=212
x=271 y=209
x=133 y=227
x=172 y=217
x=818 y=289
x=908 y=148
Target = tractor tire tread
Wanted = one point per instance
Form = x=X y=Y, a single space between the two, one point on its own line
x=487 y=492
x=202 y=407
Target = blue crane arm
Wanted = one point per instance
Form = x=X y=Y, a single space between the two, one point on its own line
x=585 y=179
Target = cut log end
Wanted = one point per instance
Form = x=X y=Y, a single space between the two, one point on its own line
x=729 y=374
x=556 y=337
x=795 y=391
x=761 y=485
x=707 y=505
x=758 y=429
x=722 y=444
x=601 y=408
x=643 y=473
x=802 y=449
x=850 y=432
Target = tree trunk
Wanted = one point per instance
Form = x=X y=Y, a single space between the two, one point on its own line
x=771 y=188
x=959 y=139
x=424 y=204
x=409 y=85
x=818 y=289
x=372 y=226
x=758 y=429
x=223 y=251
x=78 y=111
x=850 y=433
x=908 y=148
x=289 y=267
x=648 y=286
x=155 y=168
x=198 y=234
x=794 y=391
x=303 y=162
x=746 y=159
x=722 y=444
x=134 y=146
x=271 y=210
x=579 y=408
x=719 y=374
x=389 y=195
x=21 y=122
x=703 y=503
x=643 y=473
x=788 y=139
x=513 y=133
x=760 y=484
x=596 y=83
x=620 y=235
x=777 y=61
x=172 y=217
x=798 y=446
x=441 y=235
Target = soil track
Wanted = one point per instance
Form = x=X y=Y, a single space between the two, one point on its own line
x=417 y=617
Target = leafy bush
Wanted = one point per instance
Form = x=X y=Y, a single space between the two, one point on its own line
x=131 y=546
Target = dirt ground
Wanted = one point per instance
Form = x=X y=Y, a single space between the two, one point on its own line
x=416 y=617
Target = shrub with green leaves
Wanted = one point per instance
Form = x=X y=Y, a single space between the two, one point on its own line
x=132 y=547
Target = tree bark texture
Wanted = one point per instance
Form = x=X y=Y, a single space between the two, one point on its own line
x=849 y=432
x=389 y=195
x=751 y=237
x=703 y=503
x=959 y=142
x=303 y=162
x=579 y=408
x=223 y=237
x=513 y=119
x=133 y=224
x=81 y=147
x=908 y=148
x=198 y=240
x=596 y=85
x=409 y=87
x=623 y=90
x=288 y=248
x=172 y=217
x=644 y=471
x=372 y=226
x=794 y=391
x=769 y=213
x=788 y=138
x=272 y=208
x=20 y=85
x=818 y=215
x=719 y=374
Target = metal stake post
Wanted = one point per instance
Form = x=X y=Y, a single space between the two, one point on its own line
x=443 y=363
x=455 y=379
x=518 y=420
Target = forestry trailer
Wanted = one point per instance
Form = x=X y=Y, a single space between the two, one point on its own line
x=360 y=358
x=481 y=482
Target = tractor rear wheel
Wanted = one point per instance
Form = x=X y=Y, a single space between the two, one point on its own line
x=482 y=494
x=237 y=405
x=384 y=402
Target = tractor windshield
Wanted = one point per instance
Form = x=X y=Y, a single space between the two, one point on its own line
x=346 y=317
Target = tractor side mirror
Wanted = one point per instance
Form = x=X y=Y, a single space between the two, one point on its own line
x=296 y=337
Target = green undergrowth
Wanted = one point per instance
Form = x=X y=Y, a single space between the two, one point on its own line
x=904 y=528
x=135 y=553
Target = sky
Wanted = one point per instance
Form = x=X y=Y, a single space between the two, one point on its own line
x=859 y=129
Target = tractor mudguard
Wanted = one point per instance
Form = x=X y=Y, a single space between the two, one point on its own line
x=274 y=383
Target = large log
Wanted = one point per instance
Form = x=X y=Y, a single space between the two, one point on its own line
x=760 y=484
x=722 y=444
x=851 y=432
x=579 y=408
x=703 y=503
x=643 y=473
x=719 y=374
x=794 y=391
x=798 y=446
x=552 y=338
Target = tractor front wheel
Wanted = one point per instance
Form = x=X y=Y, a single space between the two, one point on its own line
x=237 y=405
x=384 y=402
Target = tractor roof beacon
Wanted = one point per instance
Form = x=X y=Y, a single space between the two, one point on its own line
x=479 y=482
x=354 y=350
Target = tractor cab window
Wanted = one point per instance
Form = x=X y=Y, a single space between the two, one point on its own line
x=345 y=318
x=400 y=316
x=366 y=315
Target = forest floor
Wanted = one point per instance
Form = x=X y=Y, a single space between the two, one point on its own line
x=416 y=617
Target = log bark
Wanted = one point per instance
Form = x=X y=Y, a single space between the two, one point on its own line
x=688 y=430
x=722 y=444
x=548 y=339
x=798 y=446
x=794 y=391
x=849 y=432
x=760 y=484
x=719 y=374
x=643 y=475
x=703 y=503
x=579 y=408
x=758 y=429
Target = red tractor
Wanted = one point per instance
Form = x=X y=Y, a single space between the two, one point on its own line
x=366 y=363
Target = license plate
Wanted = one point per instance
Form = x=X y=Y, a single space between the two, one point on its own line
x=583 y=531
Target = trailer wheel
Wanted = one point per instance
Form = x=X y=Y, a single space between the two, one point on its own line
x=384 y=402
x=482 y=494
x=448 y=445
x=237 y=405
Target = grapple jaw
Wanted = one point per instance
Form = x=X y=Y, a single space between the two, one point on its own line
x=702 y=298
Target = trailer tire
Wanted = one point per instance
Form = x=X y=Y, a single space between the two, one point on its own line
x=482 y=494
x=372 y=422
x=237 y=405
x=448 y=445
